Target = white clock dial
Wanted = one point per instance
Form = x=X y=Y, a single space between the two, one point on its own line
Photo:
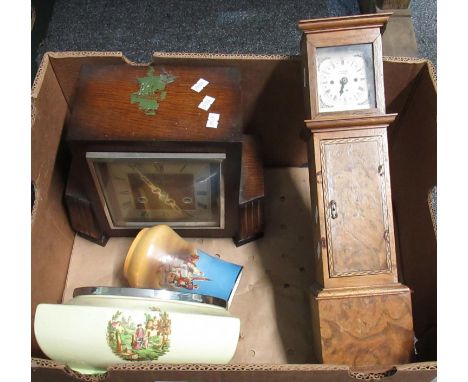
x=345 y=78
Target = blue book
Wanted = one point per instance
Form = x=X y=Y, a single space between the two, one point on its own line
x=204 y=274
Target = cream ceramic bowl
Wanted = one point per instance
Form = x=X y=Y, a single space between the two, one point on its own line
x=101 y=326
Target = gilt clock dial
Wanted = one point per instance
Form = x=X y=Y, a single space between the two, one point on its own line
x=345 y=78
x=144 y=189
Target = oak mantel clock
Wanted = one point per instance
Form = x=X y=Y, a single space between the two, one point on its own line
x=361 y=314
x=148 y=149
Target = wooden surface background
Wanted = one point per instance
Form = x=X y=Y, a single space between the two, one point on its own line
x=102 y=109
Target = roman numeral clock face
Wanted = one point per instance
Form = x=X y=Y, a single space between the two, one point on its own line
x=143 y=189
x=345 y=78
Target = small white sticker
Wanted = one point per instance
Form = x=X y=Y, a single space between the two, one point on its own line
x=213 y=120
x=198 y=87
x=206 y=103
x=318 y=250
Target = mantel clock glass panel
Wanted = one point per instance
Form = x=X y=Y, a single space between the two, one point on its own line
x=143 y=189
x=345 y=78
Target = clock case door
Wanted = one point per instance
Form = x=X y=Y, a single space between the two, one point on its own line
x=342 y=32
x=89 y=215
x=351 y=200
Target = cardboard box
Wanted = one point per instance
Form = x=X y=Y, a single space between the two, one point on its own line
x=275 y=335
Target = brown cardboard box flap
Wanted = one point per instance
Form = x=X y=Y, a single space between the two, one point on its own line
x=147 y=371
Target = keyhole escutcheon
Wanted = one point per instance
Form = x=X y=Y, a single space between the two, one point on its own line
x=333 y=210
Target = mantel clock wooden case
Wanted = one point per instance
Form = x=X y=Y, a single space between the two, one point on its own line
x=148 y=149
x=361 y=314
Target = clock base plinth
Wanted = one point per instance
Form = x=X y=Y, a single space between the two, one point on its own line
x=102 y=241
x=250 y=222
x=241 y=241
x=369 y=326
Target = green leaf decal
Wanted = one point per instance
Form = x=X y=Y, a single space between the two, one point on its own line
x=151 y=91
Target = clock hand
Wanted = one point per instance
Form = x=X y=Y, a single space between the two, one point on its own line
x=162 y=195
x=343 y=82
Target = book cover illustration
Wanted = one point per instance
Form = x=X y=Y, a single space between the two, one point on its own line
x=201 y=273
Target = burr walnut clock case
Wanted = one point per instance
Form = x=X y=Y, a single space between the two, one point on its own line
x=361 y=314
x=142 y=154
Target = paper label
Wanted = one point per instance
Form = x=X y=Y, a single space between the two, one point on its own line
x=198 y=87
x=206 y=103
x=213 y=120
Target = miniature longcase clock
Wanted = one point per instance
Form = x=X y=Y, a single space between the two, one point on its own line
x=148 y=147
x=361 y=314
